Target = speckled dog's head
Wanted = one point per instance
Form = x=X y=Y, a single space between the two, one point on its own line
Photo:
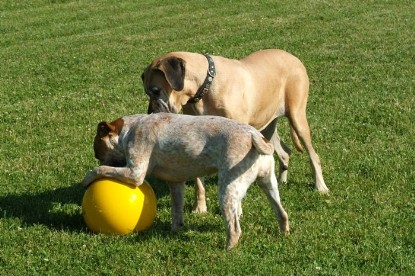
x=106 y=146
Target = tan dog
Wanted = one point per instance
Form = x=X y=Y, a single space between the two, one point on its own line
x=177 y=148
x=255 y=90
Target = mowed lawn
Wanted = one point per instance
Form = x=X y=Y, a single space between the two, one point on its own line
x=67 y=65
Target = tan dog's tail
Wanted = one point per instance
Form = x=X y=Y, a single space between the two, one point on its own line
x=261 y=144
x=295 y=140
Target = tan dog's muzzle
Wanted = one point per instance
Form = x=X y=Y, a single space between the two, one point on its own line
x=158 y=105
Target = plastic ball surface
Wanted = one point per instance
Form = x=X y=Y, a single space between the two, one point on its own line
x=113 y=207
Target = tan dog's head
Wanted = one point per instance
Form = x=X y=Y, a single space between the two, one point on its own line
x=106 y=147
x=163 y=82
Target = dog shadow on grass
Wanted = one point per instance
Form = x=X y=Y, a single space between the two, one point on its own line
x=57 y=208
x=60 y=209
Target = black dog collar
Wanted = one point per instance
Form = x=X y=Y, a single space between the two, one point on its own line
x=206 y=84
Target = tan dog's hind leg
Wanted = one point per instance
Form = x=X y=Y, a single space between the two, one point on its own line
x=200 y=197
x=299 y=123
x=177 y=195
x=283 y=153
x=297 y=93
x=282 y=150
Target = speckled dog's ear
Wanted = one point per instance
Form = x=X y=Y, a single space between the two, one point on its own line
x=174 y=71
x=104 y=129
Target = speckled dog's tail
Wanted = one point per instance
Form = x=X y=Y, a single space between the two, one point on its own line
x=261 y=144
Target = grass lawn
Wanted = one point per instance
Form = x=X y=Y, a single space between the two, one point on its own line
x=66 y=65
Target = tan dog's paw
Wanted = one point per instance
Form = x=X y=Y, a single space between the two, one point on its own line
x=199 y=209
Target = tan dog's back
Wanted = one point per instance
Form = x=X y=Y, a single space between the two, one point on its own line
x=268 y=82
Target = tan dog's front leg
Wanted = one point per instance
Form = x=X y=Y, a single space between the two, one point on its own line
x=200 y=197
x=177 y=194
x=123 y=174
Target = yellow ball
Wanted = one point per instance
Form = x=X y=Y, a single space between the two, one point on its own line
x=112 y=207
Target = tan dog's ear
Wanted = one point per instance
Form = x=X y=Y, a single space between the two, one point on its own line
x=174 y=70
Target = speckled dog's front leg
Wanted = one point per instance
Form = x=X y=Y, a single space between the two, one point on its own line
x=123 y=174
x=177 y=194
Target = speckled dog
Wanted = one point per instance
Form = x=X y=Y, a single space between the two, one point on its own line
x=176 y=148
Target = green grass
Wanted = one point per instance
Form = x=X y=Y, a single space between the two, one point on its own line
x=66 y=65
